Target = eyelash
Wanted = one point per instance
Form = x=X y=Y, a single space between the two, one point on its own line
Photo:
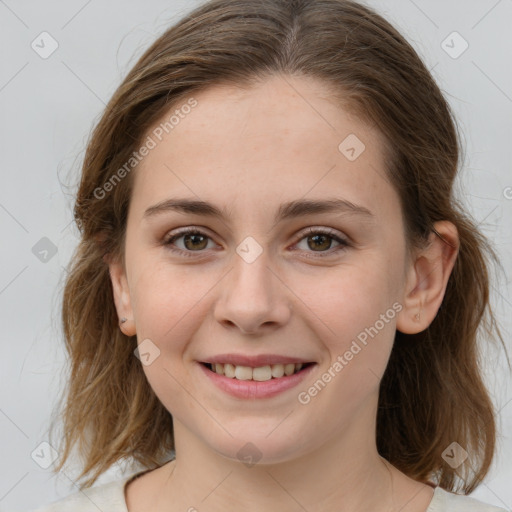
x=344 y=244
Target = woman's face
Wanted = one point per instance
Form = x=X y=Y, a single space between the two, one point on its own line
x=271 y=276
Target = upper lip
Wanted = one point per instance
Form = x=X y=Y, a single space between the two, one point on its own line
x=254 y=361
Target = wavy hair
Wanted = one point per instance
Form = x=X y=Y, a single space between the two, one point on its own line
x=432 y=392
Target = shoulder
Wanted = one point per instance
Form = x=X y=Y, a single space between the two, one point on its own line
x=109 y=496
x=446 y=501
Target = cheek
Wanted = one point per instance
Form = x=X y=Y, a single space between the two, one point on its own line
x=354 y=317
x=170 y=301
x=347 y=299
x=170 y=308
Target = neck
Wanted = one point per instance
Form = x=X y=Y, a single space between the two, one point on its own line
x=344 y=473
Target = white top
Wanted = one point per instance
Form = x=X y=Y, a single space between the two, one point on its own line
x=110 y=497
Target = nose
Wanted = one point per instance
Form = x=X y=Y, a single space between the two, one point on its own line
x=254 y=298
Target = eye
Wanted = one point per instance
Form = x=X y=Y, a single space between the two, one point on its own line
x=319 y=239
x=194 y=240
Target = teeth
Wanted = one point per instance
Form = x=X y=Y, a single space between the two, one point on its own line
x=243 y=373
x=277 y=370
x=229 y=371
x=289 y=369
x=261 y=373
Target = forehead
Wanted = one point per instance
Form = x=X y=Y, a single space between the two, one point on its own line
x=278 y=140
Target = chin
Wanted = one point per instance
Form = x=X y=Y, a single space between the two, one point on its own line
x=258 y=449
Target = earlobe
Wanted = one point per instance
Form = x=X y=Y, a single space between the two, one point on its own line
x=122 y=298
x=427 y=279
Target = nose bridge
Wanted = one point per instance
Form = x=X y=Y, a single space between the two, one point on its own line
x=252 y=295
x=251 y=274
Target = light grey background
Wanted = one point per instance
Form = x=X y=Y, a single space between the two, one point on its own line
x=48 y=107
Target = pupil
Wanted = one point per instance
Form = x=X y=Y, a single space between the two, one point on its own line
x=316 y=237
x=194 y=243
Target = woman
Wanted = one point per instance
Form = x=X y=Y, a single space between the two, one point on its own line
x=269 y=307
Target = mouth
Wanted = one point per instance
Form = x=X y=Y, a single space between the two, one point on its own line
x=259 y=374
x=256 y=382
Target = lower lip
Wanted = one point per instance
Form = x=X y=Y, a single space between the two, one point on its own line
x=256 y=389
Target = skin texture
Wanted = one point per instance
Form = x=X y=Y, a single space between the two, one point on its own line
x=248 y=151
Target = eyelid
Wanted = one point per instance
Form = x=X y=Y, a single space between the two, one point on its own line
x=313 y=230
x=188 y=229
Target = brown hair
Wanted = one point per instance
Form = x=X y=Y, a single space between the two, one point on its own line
x=432 y=392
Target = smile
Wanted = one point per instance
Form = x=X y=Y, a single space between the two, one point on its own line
x=260 y=373
x=259 y=382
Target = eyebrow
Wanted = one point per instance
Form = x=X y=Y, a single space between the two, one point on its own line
x=287 y=210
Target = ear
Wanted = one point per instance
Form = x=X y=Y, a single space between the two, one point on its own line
x=427 y=278
x=121 y=295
